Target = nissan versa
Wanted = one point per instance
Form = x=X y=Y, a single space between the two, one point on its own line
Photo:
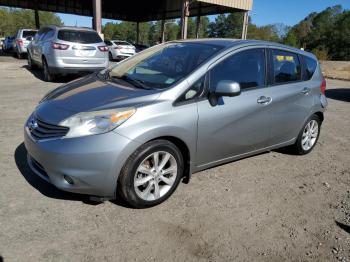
x=137 y=129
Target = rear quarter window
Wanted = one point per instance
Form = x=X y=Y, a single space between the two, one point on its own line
x=82 y=37
x=310 y=67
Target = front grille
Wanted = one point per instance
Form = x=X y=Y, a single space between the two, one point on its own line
x=42 y=130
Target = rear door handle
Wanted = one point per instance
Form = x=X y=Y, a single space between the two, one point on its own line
x=305 y=91
x=264 y=100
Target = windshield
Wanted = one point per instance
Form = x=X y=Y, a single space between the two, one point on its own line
x=163 y=65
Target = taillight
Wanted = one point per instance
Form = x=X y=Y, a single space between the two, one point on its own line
x=59 y=46
x=323 y=86
x=118 y=47
x=103 y=48
x=19 y=42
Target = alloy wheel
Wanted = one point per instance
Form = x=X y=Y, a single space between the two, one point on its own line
x=155 y=176
x=310 y=134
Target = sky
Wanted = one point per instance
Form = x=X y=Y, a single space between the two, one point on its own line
x=288 y=12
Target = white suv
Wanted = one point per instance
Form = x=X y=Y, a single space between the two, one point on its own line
x=67 y=50
x=22 y=40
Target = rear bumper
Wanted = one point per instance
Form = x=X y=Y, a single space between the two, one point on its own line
x=21 y=49
x=74 y=70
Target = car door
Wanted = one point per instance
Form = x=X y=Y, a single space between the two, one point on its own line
x=236 y=125
x=291 y=97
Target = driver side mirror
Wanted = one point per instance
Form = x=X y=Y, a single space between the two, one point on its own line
x=224 y=88
x=29 y=38
x=227 y=88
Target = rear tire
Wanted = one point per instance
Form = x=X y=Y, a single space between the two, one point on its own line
x=146 y=182
x=48 y=76
x=31 y=65
x=308 y=136
x=19 y=55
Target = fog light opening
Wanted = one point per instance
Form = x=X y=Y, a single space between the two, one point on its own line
x=68 y=179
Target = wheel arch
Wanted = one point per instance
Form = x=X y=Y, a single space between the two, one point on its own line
x=320 y=115
x=185 y=151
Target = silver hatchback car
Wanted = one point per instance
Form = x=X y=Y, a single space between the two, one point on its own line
x=67 y=50
x=137 y=129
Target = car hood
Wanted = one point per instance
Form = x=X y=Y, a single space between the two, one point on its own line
x=90 y=94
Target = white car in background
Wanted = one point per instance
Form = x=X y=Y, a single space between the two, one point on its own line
x=119 y=50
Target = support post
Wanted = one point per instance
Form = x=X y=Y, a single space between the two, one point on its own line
x=97 y=15
x=184 y=18
x=162 y=31
x=198 y=23
x=137 y=32
x=245 y=26
x=36 y=15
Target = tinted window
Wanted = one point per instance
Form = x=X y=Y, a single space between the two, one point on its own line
x=83 y=37
x=163 y=65
x=27 y=33
x=310 y=67
x=286 y=66
x=121 y=43
x=246 y=68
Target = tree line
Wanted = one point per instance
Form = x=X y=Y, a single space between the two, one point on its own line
x=326 y=34
x=11 y=19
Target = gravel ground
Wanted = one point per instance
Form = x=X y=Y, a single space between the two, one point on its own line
x=336 y=69
x=271 y=207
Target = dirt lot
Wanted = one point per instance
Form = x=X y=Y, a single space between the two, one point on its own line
x=271 y=207
x=336 y=69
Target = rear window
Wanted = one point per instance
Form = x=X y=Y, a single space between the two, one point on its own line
x=286 y=67
x=82 y=37
x=26 y=33
x=121 y=43
x=310 y=67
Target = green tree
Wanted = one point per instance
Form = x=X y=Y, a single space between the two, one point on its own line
x=13 y=19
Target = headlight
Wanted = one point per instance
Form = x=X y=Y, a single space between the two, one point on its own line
x=97 y=122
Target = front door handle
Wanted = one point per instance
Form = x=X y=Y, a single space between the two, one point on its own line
x=264 y=100
x=305 y=91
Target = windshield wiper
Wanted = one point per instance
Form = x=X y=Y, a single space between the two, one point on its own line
x=133 y=81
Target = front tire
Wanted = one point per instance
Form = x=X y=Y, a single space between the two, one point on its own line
x=308 y=136
x=151 y=174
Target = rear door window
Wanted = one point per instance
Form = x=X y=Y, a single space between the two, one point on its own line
x=286 y=67
x=310 y=67
x=82 y=37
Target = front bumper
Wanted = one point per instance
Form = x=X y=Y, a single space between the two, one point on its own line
x=92 y=162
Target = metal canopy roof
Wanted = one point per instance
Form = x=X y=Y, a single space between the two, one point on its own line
x=133 y=10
